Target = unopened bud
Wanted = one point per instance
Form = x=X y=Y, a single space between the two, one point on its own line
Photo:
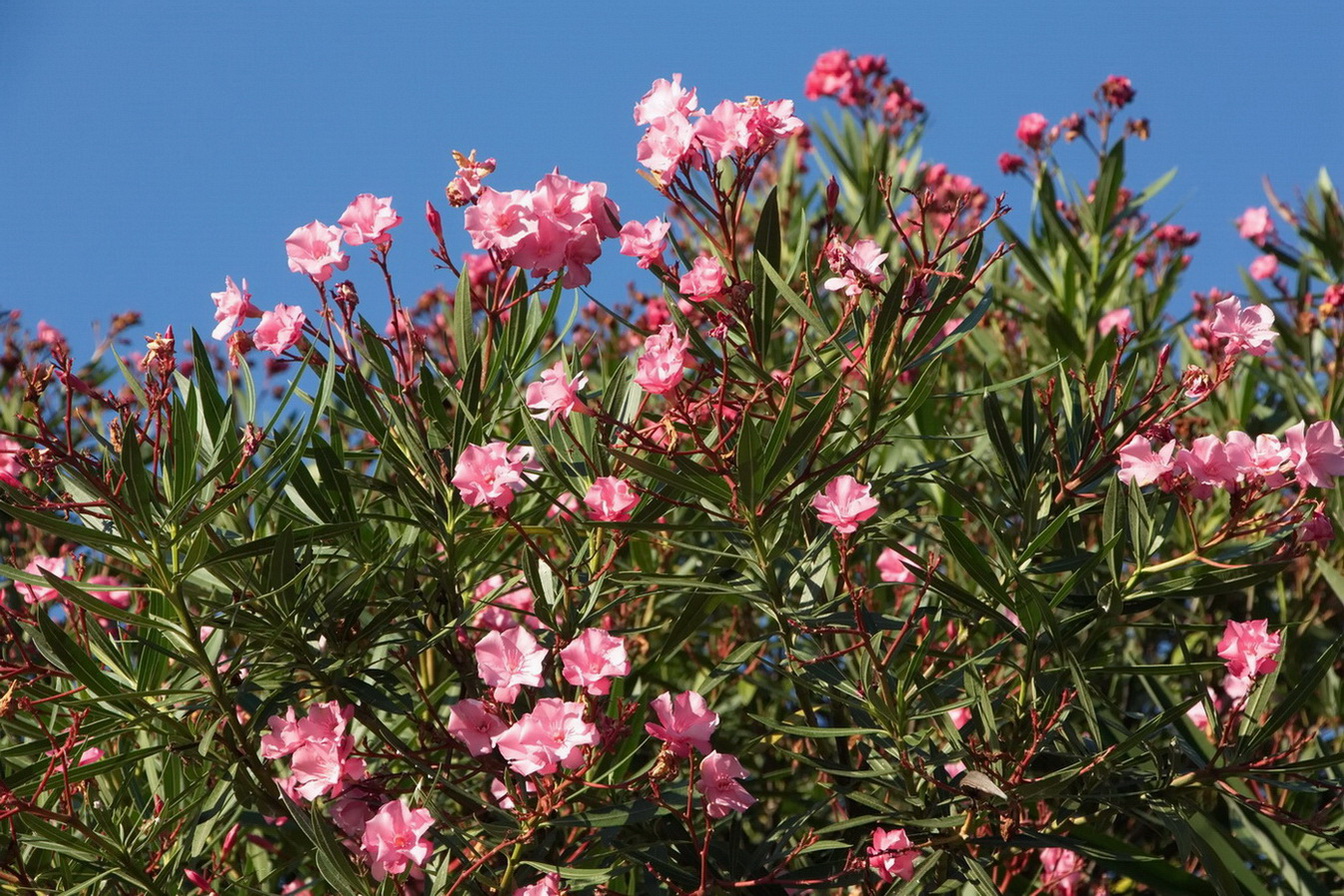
x=832 y=196
x=432 y=217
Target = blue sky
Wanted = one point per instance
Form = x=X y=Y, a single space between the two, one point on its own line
x=153 y=148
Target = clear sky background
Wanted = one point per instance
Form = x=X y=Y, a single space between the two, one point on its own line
x=148 y=149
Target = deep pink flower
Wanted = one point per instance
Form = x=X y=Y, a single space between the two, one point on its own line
x=856 y=267
x=892 y=568
x=1010 y=163
x=554 y=395
x=1264 y=267
x=392 y=838
x=490 y=474
x=685 y=722
x=663 y=363
x=610 y=500
x=279 y=329
x=508 y=660
x=1118 y=91
x=37 y=594
x=1255 y=225
x=646 y=241
x=111 y=592
x=474 y=726
x=891 y=854
x=719 y=775
x=1249 y=648
x=1031 y=128
x=1317 y=452
x=1121 y=319
x=1317 y=529
x=314 y=249
x=705 y=281
x=1061 y=871
x=1248 y=329
x=832 y=74
x=549 y=885
x=368 y=220
x=594 y=658
x=551 y=735
x=844 y=503
x=232 y=307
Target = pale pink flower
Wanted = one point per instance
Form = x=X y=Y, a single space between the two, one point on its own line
x=551 y=735
x=37 y=594
x=704 y=281
x=554 y=395
x=959 y=716
x=1264 y=267
x=92 y=754
x=1198 y=714
x=314 y=249
x=284 y=737
x=844 y=503
x=502 y=611
x=1249 y=329
x=1249 y=648
x=610 y=500
x=508 y=660
x=594 y=658
x=466 y=184
x=725 y=131
x=662 y=366
x=891 y=855
x=321 y=761
x=1061 y=871
x=1261 y=459
x=549 y=885
x=112 y=592
x=666 y=98
x=279 y=329
x=500 y=792
x=856 y=267
x=474 y=726
x=392 y=839
x=1255 y=225
x=11 y=468
x=368 y=220
x=891 y=567
x=565 y=507
x=667 y=144
x=1207 y=465
x=1031 y=128
x=232 y=307
x=489 y=474
x=719 y=775
x=1121 y=319
x=646 y=241
x=1236 y=687
x=1317 y=452
x=685 y=722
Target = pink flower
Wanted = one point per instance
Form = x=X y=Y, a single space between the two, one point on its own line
x=547 y=886
x=704 y=281
x=319 y=749
x=610 y=500
x=554 y=395
x=466 y=184
x=832 y=75
x=1061 y=871
x=857 y=267
x=1205 y=461
x=1317 y=529
x=232 y=307
x=666 y=98
x=392 y=841
x=1010 y=163
x=646 y=241
x=37 y=594
x=1031 y=128
x=1118 y=91
x=489 y=474
x=551 y=735
x=592 y=659
x=368 y=220
x=685 y=722
x=1261 y=459
x=92 y=754
x=508 y=660
x=314 y=249
x=959 y=716
x=474 y=726
x=1255 y=225
x=279 y=329
x=891 y=567
x=662 y=366
x=1121 y=319
x=1317 y=452
x=1248 y=329
x=1264 y=267
x=112 y=593
x=501 y=612
x=719 y=775
x=891 y=854
x=284 y=737
x=1249 y=648
x=844 y=503
x=11 y=468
